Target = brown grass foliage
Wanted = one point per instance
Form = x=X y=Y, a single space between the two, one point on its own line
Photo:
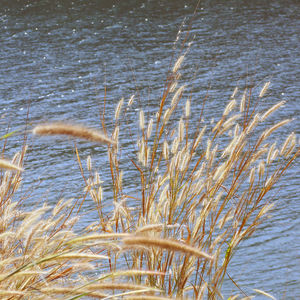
x=200 y=193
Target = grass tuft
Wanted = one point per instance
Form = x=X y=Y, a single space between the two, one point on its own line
x=200 y=190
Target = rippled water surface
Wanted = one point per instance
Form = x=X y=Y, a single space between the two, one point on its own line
x=57 y=57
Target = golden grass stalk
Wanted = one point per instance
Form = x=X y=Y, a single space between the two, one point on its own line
x=270 y=153
x=5 y=164
x=231 y=121
x=243 y=102
x=173 y=87
x=272 y=109
x=291 y=139
x=89 y=163
x=229 y=107
x=76 y=131
x=118 y=109
x=178 y=63
x=149 y=128
x=254 y=123
x=131 y=100
x=187 y=108
x=142 y=119
x=177 y=95
x=269 y=131
x=274 y=154
x=165 y=150
x=234 y=92
x=264 y=89
x=166 y=244
x=264 y=293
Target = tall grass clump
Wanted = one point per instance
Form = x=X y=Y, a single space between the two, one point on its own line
x=200 y=191
x=198 y=188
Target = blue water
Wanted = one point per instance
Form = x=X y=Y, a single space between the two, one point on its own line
x=57 y=57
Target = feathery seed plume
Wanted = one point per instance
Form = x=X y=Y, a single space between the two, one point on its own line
x=142 y=119
x=272 y=109
x=130 y=100
x=187 y=108
x=264 y=293
x=234 y=92
x=178 y=63
x=76 y=131
x=229 y=107
x=165 y=150
x=268 y=132
x=264 y=89
x=166 y=244
x=149 y=129
x=118 y=109
x=288 y=141
x=89 y=163
x=243 y=101
x=177 y=95
x=173 y=87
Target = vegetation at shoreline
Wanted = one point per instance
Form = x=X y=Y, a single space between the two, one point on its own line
x=202 y=191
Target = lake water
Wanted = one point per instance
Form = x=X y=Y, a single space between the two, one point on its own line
x=57 y=56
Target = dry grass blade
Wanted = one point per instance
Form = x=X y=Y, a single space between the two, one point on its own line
x=5 y=164
x=76 y=131
x=166 y=244
x=264 y=293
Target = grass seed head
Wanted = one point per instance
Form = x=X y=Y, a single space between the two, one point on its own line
x=142 y=119
x=178 y=63
x=264 y=89
x=272 y=109
x=76 y=131
x=187 y=108
x=118 y=109
x=131 y=100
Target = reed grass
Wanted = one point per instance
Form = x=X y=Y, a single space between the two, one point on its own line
x=199 y=193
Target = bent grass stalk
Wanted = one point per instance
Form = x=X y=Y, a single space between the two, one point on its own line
x=75 y=131
x=170 y=245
